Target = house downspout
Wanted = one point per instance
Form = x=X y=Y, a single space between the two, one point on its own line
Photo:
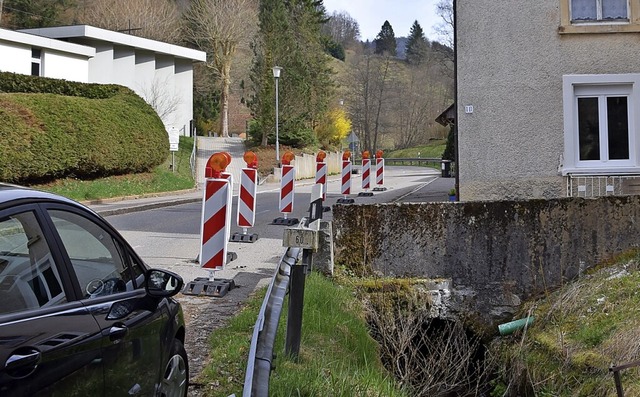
x=455 y=92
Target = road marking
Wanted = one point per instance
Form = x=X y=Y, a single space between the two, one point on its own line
x=414 y=190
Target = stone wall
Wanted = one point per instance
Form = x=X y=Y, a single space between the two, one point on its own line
x=496 y=254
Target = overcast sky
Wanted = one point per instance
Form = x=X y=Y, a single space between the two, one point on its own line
x=371 y=14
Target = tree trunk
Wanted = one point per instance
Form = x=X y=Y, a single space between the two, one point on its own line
x=224 y=101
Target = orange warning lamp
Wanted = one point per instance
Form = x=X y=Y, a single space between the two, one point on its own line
x=287 y=158
x=228 y=156
x=218 y=163
x=346 y=156
x=321 y=156
x=379 y=154
x=366 y=155
x=251 y=159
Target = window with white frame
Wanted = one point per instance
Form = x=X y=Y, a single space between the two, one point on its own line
x=600 y=128
x=599 y=16
x=599 y=10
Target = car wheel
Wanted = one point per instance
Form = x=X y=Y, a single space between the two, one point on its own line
x=176 y=374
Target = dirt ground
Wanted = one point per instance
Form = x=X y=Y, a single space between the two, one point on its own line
x=203 y=315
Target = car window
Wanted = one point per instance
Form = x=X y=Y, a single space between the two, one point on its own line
x=29 y=277
x=95 y=255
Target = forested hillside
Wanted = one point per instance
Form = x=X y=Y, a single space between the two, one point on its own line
x=388 y=91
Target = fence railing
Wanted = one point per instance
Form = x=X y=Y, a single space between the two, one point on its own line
x=193 y=158
x=616 y=375
x=432 y=161
x=256 y=381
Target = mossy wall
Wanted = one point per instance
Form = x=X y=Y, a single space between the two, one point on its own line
x=496 y=253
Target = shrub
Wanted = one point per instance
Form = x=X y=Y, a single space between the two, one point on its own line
x=12 y=82
x=60 y=128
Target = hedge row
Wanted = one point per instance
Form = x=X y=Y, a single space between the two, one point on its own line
x=48 y=136
x=12 y=82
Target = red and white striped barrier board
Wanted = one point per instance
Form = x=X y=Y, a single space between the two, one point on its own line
x=287 y=189
x=321 y=178
x=215 y=223
x=346 y=178
x=228 y=176
x=247 y=197
x=366 y=174
x=380 y=171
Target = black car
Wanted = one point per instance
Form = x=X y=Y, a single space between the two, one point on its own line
x=80 y=313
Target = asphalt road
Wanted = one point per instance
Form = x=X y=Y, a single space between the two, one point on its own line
x=169 y=237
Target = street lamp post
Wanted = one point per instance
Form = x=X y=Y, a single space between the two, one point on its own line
x=276 y=76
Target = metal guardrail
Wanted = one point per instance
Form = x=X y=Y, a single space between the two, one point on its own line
x=256 y=380
x=413 y=161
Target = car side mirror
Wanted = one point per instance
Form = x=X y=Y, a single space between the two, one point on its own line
x=162 y=283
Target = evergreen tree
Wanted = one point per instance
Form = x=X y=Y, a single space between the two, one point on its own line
x=417 y=45
x=450 y=148
x=385 y=42
x=290 y=37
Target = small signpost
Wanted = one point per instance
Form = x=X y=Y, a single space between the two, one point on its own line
x=174 y=145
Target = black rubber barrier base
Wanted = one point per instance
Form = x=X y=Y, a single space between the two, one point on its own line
x=379 y=189
x=365 y=194
x=285 y=222
x=202 y=286
x=243 y=238
x=345 y=201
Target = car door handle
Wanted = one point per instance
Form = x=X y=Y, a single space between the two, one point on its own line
x=118 y=332
x=21 y=362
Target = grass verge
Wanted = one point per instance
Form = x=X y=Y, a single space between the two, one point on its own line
x=579 y=331
x=434 y=149
x=338 y=357
x=162 y=179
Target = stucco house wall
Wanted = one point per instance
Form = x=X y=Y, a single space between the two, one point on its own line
x=161 y=73
x=511 y=60
x=57 y=59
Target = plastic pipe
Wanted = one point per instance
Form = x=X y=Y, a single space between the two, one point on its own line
x=513 y=326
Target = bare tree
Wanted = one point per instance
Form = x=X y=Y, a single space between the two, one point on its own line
x=152 y=19
x=369 y=79
x=342 y=28
x=444 y=9
x=445 y=29
x=163 y=102
x=220 y=27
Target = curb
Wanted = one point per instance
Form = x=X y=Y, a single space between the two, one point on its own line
x=137 y=197
x=144 y=207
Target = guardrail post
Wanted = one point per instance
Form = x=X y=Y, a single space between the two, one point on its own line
x=296 y=303
x=306 y=238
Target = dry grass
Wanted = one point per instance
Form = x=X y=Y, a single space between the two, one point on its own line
x=579 y=332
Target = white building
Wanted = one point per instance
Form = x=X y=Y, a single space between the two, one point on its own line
x=161 y=73
x=41 y=56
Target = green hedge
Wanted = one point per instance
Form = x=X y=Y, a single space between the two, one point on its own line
x=12 y=82
x=48 y=136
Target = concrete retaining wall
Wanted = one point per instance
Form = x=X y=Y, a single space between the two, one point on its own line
x=495 y=253
x=306 y=165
